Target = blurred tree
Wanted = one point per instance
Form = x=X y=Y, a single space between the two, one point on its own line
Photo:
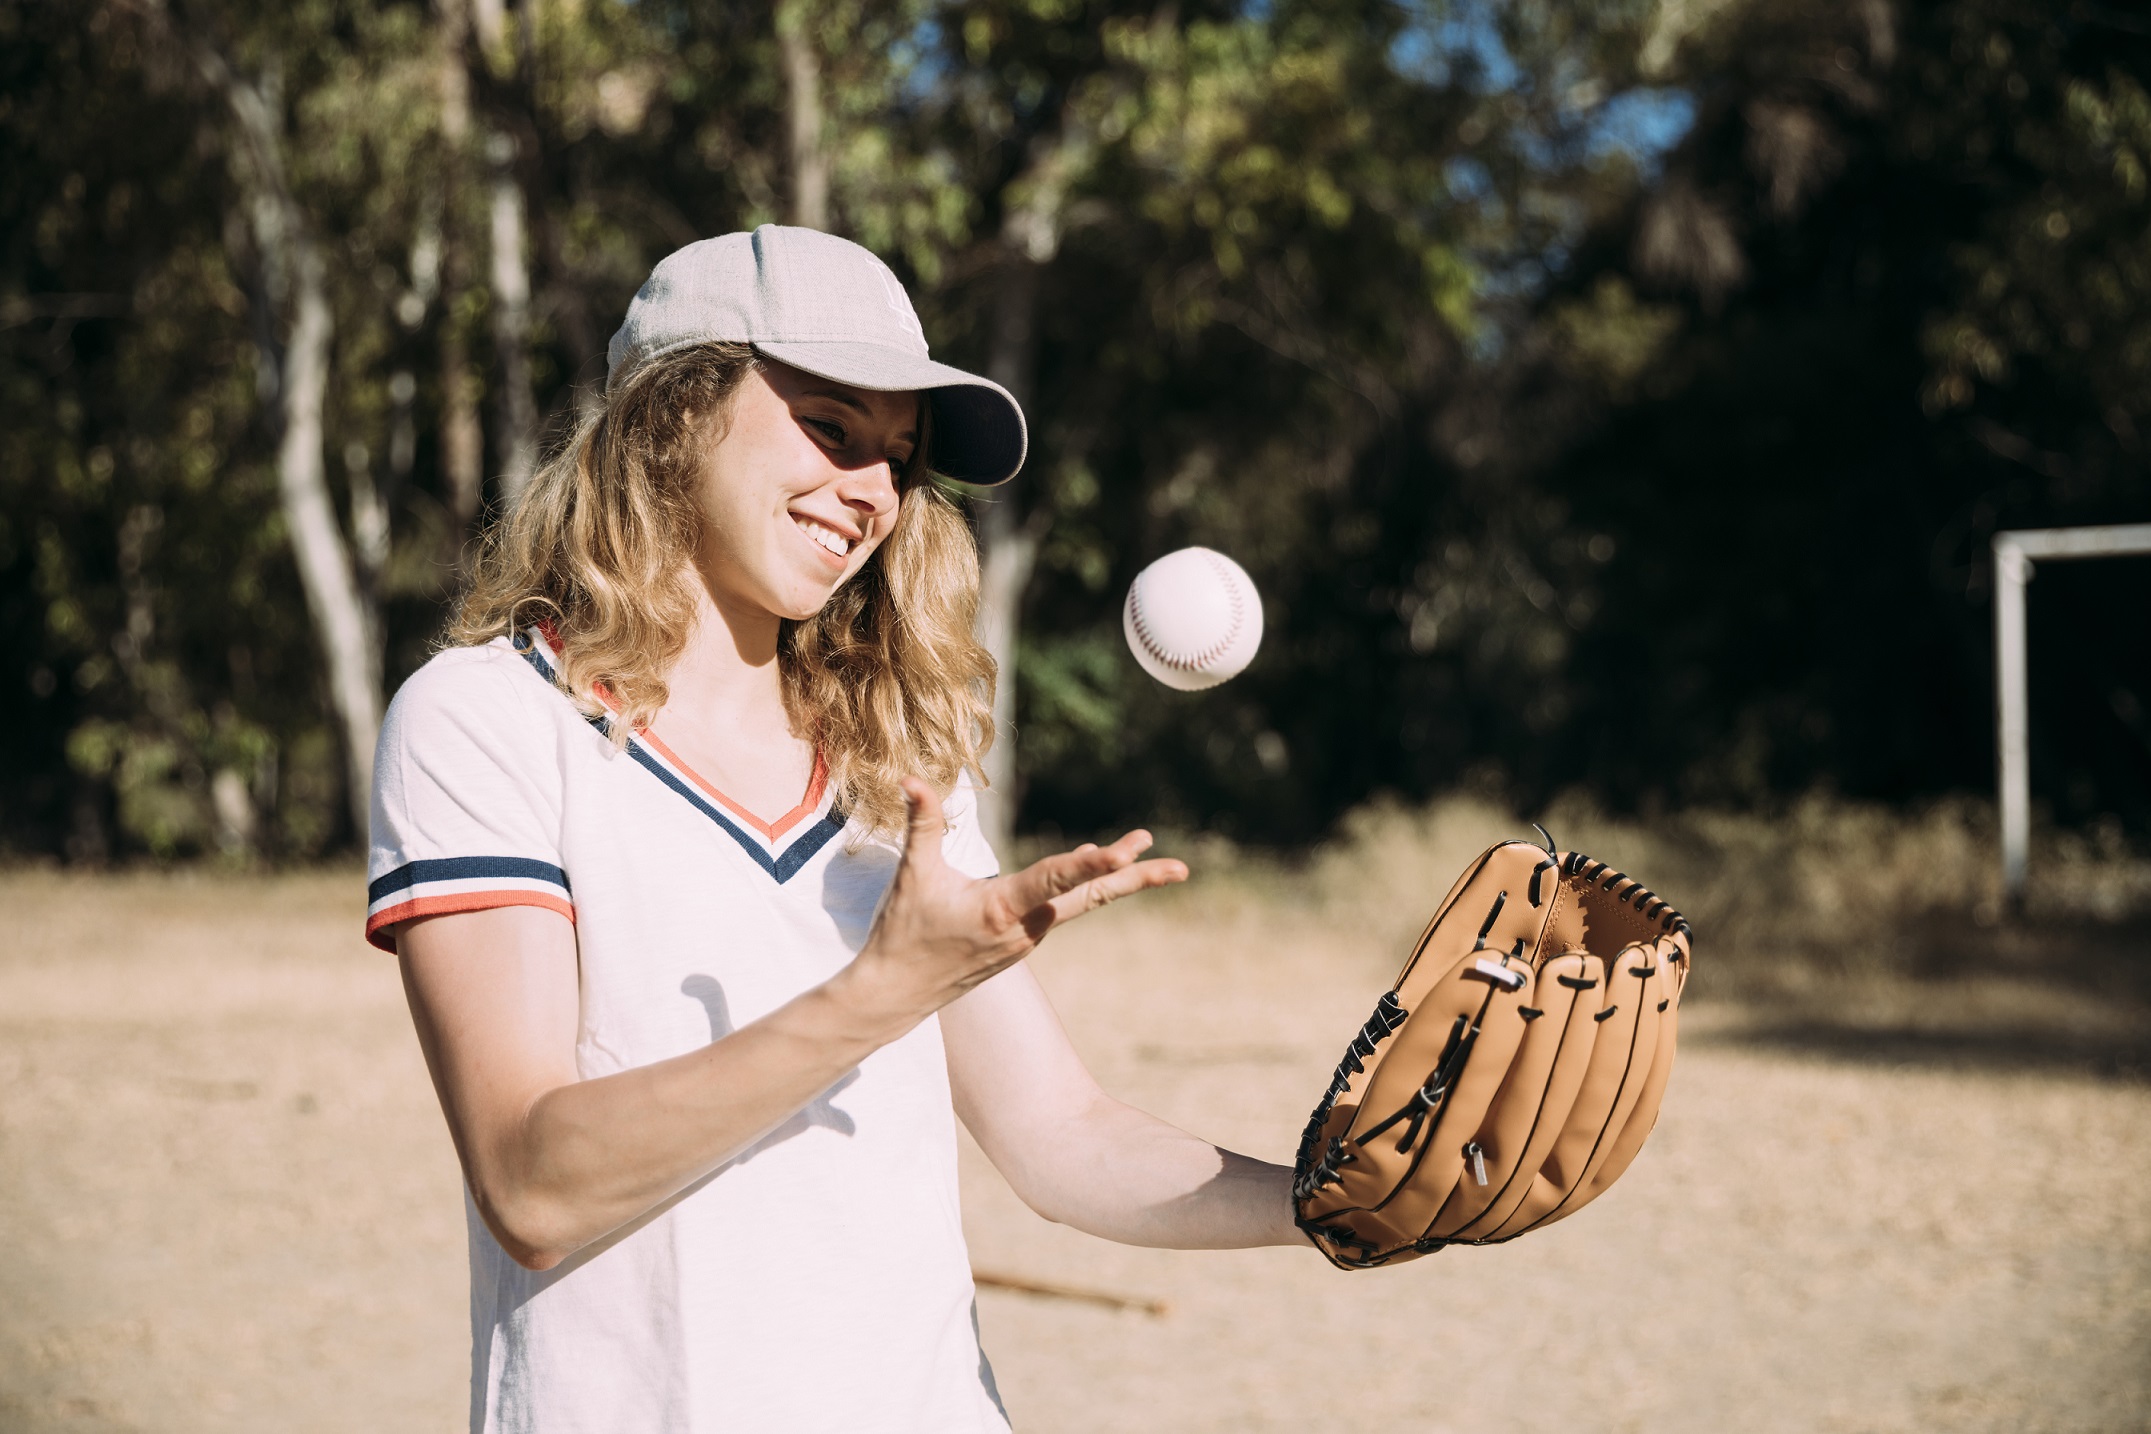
x=1616 y=394
x=145 y=569
x=808 y=157
x=1890 y=296
x=1012 y=121
x=293 y=277
x=1279 y=241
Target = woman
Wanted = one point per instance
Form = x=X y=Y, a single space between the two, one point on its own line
x=698 y=1058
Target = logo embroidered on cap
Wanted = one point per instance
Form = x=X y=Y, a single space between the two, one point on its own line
x=899 y=302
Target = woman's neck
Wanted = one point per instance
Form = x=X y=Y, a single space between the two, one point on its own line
x=727 y=676
x=724 y=715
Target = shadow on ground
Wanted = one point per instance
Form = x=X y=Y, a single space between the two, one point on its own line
x=2015 y=996
x=2125 y=1058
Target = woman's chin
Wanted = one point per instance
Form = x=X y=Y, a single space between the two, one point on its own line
x=803 y=601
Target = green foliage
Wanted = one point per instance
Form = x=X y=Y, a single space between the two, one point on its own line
x=1615 y=396
x=1936 y=332
x=2058 y=276
x=145 y=584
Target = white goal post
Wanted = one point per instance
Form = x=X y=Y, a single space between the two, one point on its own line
x=2014 y=553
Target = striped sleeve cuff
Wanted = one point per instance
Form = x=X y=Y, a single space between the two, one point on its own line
x=462 y=883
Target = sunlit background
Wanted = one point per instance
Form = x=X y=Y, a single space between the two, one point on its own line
x=1614 y=401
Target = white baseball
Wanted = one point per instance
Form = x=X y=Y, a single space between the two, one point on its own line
x=1193 y=619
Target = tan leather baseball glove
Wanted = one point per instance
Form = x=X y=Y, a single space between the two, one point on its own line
x=1510 y=1074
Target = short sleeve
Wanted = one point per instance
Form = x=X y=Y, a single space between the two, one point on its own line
x=965 y=846
x=466 y=795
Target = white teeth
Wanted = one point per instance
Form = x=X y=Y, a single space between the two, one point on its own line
x=822 y=533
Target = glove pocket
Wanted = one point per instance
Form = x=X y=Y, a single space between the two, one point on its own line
x=1624 y=1048
x=1530 y=1110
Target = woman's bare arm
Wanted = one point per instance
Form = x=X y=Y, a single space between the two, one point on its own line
x=1078 y=1156
x=555 y=1162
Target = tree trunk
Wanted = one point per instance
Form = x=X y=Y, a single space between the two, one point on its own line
x=1008 y=546
x=803 y=116
x=462 y=435
x=505 y=63
x=370 y=504
x=1008 y=549
x=325 y=567
x=326 y=571
x=517 y=419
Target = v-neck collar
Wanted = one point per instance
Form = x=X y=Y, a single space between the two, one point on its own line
x=763 y=841
x=770 y=831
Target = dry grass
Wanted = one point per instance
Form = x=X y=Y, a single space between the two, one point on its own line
x=1895 y=1188
x=1824 y=923
x=1826 y=881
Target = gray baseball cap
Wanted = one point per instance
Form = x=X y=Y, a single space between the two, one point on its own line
x=828 y=307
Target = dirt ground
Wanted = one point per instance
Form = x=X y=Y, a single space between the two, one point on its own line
x=227 y=1203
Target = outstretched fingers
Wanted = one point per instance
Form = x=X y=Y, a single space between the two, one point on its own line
x=1050 y=876
x=1059 y=888
x=1099 y=891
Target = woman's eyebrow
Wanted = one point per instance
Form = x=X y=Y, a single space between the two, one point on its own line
x=838 y=395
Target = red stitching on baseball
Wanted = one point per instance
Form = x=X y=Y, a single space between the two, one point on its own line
x=1216 y=649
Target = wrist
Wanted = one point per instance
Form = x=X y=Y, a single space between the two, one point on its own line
x=869 y=1006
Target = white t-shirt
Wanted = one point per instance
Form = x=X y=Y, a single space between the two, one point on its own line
x=817 y=1281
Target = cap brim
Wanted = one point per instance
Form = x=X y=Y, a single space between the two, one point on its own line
x=978 y=435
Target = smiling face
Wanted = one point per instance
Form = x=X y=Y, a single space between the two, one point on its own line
x=800 y=490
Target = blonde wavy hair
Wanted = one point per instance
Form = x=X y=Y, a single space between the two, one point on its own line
x=886 y=680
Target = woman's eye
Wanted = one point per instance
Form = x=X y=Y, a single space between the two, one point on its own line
x=834 y=432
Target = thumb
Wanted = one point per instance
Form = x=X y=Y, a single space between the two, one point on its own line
x=922 y=836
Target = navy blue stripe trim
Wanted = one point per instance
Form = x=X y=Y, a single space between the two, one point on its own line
x=810 y=841
x=464 y=868
x=544 y=669
x=784 y=866
x=535 y=658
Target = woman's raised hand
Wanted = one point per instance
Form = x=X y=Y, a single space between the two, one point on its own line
x=940 y=932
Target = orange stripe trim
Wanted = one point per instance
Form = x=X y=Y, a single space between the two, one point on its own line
x=377 y=925
x=551 y=636
x=816 y=784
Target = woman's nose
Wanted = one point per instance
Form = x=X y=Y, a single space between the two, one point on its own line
x=869 y=491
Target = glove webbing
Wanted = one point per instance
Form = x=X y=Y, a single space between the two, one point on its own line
x=1321 y=1169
